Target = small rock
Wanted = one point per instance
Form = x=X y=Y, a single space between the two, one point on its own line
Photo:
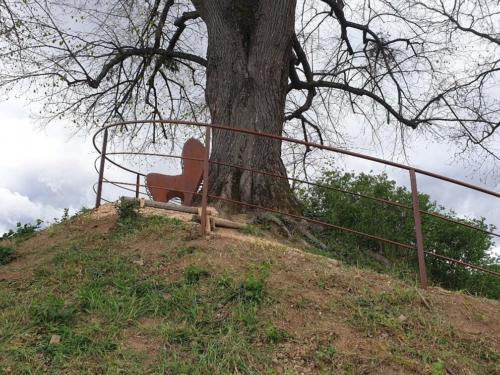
x=402 y=318
x=55 y=339
x=333 y=262
x=139 y=262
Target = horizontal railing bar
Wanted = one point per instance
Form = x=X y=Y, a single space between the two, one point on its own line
x=279 y=212
x=304 y=143
x=457 y=182
x=138 y=153
x=315 y=222
x=384 y=201
x=154 y=154
x=118 y=184
x=459 y=223
x=464 y=264
x=119 y=166
x=154 y=187
x=380 y=200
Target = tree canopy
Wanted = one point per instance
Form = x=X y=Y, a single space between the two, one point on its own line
x=422 y=63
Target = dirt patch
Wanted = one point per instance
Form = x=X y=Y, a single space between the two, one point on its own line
x=478 y=317
x=144 y=340
x=105 y=210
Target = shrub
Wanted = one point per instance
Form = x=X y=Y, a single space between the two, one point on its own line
x=251 y=230
x=395 y=223
x=128 y=210
x=23 y=232
x=6 y=255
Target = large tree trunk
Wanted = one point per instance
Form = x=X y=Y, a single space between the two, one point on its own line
x=249 y=53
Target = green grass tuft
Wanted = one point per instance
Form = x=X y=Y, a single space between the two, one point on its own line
x=275 y=335
x=6 y=254
x=52 y=311
x=194 y=274
x=252 y=230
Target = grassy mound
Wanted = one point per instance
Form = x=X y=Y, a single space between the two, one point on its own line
x=101 y=295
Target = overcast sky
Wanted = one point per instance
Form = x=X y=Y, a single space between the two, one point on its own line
x=43 y=171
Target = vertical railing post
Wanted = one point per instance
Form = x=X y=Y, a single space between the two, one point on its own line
x=137 y=185
x=204 y=198
x=418 y=230
x=101 y=169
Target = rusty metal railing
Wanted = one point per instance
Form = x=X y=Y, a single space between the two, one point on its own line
x=105 y=156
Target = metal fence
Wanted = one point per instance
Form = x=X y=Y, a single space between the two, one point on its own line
x=418 y=245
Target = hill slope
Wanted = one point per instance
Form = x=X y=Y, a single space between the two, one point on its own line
x=150 y=296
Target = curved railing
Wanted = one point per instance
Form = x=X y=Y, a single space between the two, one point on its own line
x=136 y=187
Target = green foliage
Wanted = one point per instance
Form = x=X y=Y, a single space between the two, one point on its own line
x=183 y=251
x=396 y=223
x=23 y=232
x=326 y=355
x=251 y=230
x=84 y=211
x=52 y=311
x=253 y=289
x=64 y=218
x=194 y=274
x=6 y=254
x=438 y=368
x=130 y=222
x=275 y=335
x=128 y=210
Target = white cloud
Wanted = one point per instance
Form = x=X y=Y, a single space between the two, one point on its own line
x=19 y=208
x=42 y=171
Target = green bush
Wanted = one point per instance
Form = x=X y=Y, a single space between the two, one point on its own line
x=128 y=210
x=23 y=232
x=6 y=254
x=128 y=213
x=396 y=223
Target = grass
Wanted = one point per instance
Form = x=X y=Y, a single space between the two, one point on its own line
x=13 y=238
x=184 y=311
x=194 y=274
x=416 y=338
x=109 y=295
x=252 y=230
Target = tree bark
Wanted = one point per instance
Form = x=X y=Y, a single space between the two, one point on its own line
x=249 y=52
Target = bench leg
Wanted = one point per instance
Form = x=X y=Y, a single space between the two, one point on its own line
x=188 y=199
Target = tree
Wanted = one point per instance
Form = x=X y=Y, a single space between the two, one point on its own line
x=327 y=202
x=272 y=66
